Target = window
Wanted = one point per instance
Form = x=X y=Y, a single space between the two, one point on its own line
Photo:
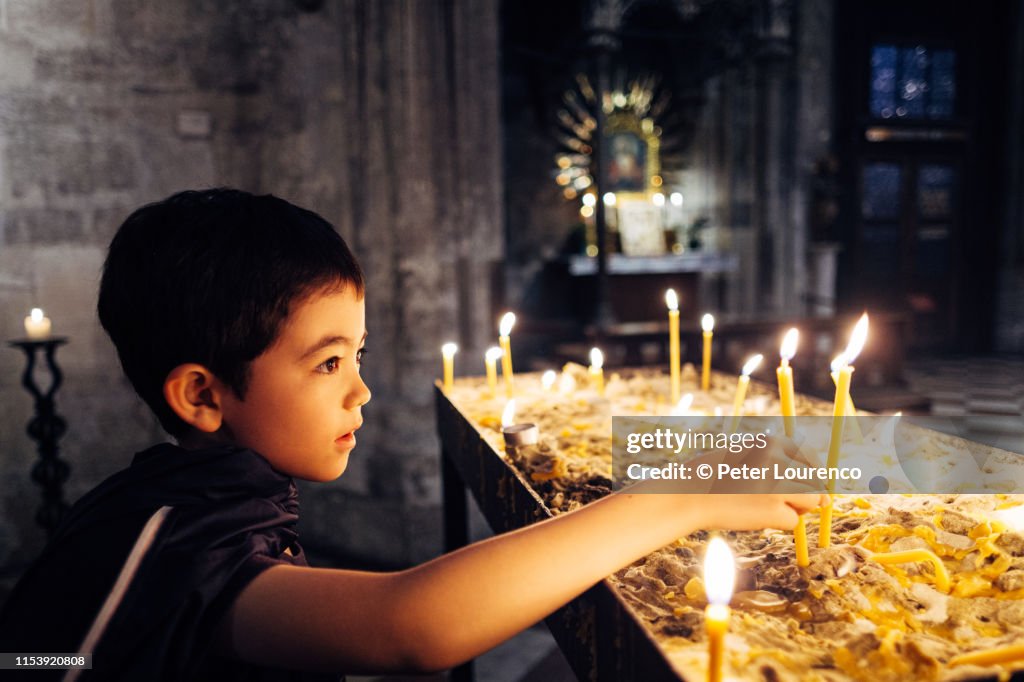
x=912 y=83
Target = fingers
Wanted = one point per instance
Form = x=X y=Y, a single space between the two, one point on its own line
x=801 y=504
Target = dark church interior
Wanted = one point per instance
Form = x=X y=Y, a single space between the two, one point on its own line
x=775 y=163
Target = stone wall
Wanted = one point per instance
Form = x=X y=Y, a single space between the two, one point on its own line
x=381 y=116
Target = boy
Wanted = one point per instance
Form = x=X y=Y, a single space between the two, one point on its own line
x=240 y=321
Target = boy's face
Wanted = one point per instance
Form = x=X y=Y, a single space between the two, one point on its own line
x=304 y=399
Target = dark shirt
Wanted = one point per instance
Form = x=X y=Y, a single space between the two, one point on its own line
x=232 y=517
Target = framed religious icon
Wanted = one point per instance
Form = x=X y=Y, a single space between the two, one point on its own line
x=627 y=162
x=640 y=228
x=632 y=144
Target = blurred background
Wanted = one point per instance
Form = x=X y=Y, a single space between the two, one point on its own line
x=777 y=162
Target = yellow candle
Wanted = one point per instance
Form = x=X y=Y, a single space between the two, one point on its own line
x=784 y=373
x=505 y=341
x=491 y=363
x=851 y=411
x=941 y=574
x=719 y=579
x=741 y=388
x=825 y=525
x=800 y=541
x=596 y=369
x=1012 y=653
x=37 y=325
x=842 y=365
x=672 y=301
x=448 y=355
x=707 y=323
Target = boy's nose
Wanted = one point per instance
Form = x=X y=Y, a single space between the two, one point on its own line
x=359 y=395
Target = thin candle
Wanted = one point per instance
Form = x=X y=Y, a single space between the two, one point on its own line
x=784 y=374
x=741 y=388
x=843 y=365
x=505 y=341
x=448 y=351
x=707 y=323
x=719 y=580
x=1012 y=653
x=491 y=358
x=596 y=369
x=672 y=301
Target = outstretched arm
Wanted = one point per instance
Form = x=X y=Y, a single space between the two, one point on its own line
x=459 y=605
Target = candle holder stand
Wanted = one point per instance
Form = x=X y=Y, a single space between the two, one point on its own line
x=46 y=427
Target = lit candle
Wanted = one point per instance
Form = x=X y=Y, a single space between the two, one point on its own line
x=941 y=574
x=37 y=326
x=448 y=355
x=851 y=411
x=491 y=363
x=596 y=369
x=719 y=579
x=682 y=408
x=741 y=388
x=707 y=323
x=784 y=373
x=672 y=301
x=843 y=366
x=505 y=341
x=1011 y=653
x=517 y=435
x=547 y=380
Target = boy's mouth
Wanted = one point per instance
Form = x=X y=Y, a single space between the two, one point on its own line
x=349 y=438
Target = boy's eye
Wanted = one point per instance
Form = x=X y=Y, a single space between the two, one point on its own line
x=329 y=366
x=359 y=355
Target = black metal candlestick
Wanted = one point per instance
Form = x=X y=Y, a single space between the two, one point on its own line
x=46 y=427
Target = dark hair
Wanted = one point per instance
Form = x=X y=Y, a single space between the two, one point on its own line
x=208 y=277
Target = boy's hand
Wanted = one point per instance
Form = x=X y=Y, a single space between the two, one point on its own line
x=752 y=512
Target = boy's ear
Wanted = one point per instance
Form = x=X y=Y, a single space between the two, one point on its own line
x=194 y=393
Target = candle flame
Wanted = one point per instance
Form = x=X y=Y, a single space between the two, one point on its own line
x=676 y=199
x=508 y=416
x=36 y=314
x=788 y=349
x=507 y=321
x=719 y=572
x=566 y=383
x=683 y=406
x=857 y=339
x=596 y=358
x=671 y=300
x=449 y=349
x=707 y=323
x=752 y=364
x=493 y=354
x=548 y=379
x=609 y=198
x=838 y=362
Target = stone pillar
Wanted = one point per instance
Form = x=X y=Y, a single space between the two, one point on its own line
x=773 y=219
x=1010 y=306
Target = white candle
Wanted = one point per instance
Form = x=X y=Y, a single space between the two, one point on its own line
x=37 y=325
